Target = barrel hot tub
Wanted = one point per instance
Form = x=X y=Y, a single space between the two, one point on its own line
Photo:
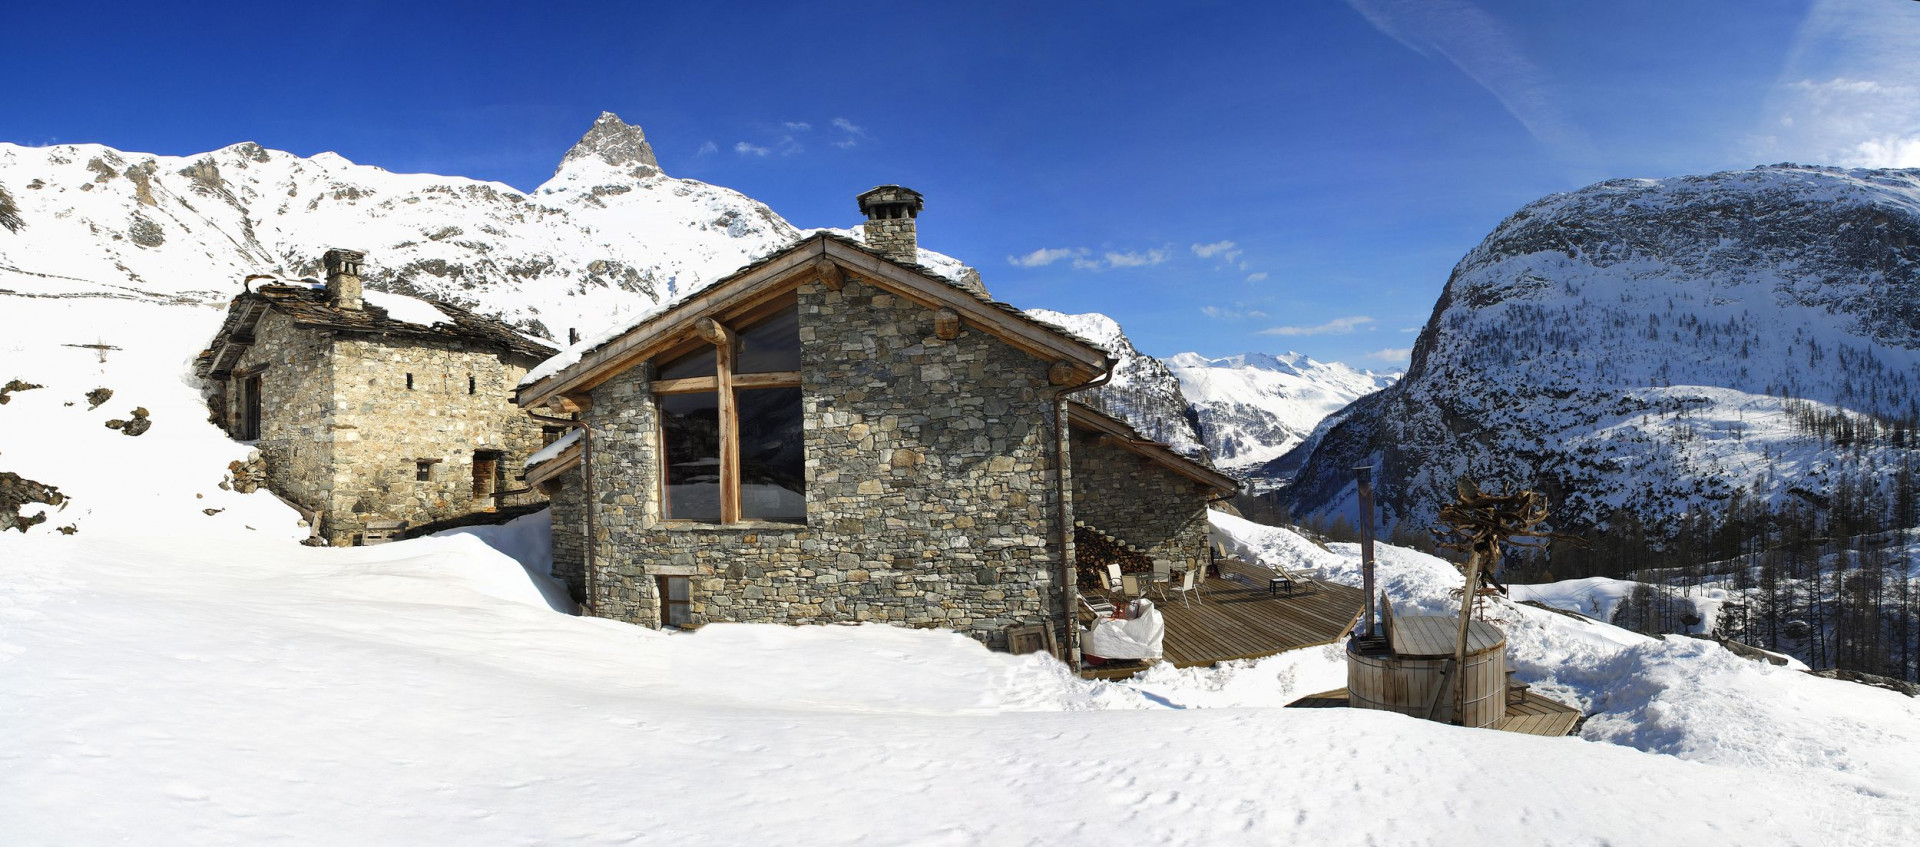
x=1403 y=672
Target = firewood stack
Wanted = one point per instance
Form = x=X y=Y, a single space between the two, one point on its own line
x=1093 y=549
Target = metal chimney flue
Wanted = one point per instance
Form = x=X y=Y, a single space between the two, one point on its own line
x=1363 y=477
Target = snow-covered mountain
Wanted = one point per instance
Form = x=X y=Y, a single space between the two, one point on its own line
x=610 y=234
x=1142 y=391
x=1252 y=408
x=1656 y=345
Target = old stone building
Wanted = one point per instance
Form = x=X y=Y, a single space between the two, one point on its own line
x=836 y=434
x=372 y=408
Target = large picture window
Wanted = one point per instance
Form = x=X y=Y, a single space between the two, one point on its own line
x=731 y=435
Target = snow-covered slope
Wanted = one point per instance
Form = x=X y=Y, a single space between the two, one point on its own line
x=1633 y=345
x=1142 y=391
x=1253 y=408
x=607 y=236
x=224 y=685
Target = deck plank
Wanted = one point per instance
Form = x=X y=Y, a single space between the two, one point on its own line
x=1231 y=620
x=1536 y=715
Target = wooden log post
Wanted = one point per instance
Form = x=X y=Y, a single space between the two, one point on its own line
x=1060 y=373
x=830 y=273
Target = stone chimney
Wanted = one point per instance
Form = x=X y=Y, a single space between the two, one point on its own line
x=890 y=211
x=343 y=278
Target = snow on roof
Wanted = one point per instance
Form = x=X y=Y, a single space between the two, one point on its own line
x=406 y=309
x=553 y=451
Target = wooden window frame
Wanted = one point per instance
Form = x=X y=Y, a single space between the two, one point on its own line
x=724 y=344
x=661 y=586
x=252 y=405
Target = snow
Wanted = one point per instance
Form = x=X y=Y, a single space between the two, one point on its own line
x=169 y=676
x=406 y=309
x=553 y=451
x=1254 y=407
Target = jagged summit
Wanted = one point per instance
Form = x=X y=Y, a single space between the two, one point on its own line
x=615 y=142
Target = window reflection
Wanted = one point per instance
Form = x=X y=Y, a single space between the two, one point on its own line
x=770 y=346
x=690 y=424
x=700 y=362
x=773 y=469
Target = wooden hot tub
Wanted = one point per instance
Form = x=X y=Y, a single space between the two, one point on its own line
x=1403 y=672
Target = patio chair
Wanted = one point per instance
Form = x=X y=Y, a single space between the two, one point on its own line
x=1100 y=608
x=1162 y=576
x=1113 y=577
x=1130 y=586
x=1186 y=586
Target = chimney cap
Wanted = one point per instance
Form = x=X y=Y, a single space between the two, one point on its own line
x=882 y=196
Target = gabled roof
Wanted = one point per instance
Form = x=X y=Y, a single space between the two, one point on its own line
x=308 y=308
x=1088 y=419
x=818 y=256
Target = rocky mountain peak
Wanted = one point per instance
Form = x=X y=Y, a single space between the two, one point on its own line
x=615 y=142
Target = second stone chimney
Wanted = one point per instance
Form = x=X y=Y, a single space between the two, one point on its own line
x=890 y=210
x=343 y=278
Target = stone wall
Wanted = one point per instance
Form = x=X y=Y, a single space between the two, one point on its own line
x=930 y=486
x=894 y=237
x=1139 y=502
x=296 y=397
x=568 y=512
x=381 y=429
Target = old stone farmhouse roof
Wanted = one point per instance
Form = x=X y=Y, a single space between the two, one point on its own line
x=579 y=368
x=306 y=304
x=1122 y=435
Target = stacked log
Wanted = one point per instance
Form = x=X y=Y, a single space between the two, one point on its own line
x=1094 y=549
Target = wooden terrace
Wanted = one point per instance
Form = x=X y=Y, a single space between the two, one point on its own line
x=1231 y=619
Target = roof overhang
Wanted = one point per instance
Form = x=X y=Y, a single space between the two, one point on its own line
x=832 y=260
x=554 y=467
x=1116 y=432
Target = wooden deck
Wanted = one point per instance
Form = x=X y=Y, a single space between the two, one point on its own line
x=1536 y=715
x=1232 y=620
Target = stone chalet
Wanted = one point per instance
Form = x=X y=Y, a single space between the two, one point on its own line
x=837 y=434
x=373 y=411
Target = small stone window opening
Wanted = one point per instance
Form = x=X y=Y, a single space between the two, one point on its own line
x=423 y=471
x=409 y=382
x=550 y=434
x=676 y=601
x=471 y=385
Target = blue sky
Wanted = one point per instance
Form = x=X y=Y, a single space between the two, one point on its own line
x=1219 y=177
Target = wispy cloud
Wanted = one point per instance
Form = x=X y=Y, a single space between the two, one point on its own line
x=1392 y=355
x=797 y=126
x=745 y=149
x=1257 y=277
x=851 y=134
x=707 y=149
x=1208 y=251
x=1483 y=48
x=1337 y=326
x=1135 y=260
x=1083 y=259
x=1044 y=256
x=1846 y=94
x=1237 y=312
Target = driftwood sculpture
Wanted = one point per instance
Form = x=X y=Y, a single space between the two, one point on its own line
x=1481 y=525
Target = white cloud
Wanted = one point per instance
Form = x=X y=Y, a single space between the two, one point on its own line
x=1208 y=251
x=1409 y=329
x=851 y=133
x=798 y=126
x=1846 y=93
x=1257 y=277
x=1238 y=312
x=1392 y=355
x=1337 y=326
x=1044 y=256
x=1481 y=47
x=745 y=149
x=1135 y=260
x=707 y=149
x=1084 y=260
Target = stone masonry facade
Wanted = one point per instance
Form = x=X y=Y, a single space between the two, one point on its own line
x=343 y=434
x=1139 y=502
x=931 y=488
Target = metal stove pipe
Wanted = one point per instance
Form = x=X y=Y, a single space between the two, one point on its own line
x=1363 y=475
